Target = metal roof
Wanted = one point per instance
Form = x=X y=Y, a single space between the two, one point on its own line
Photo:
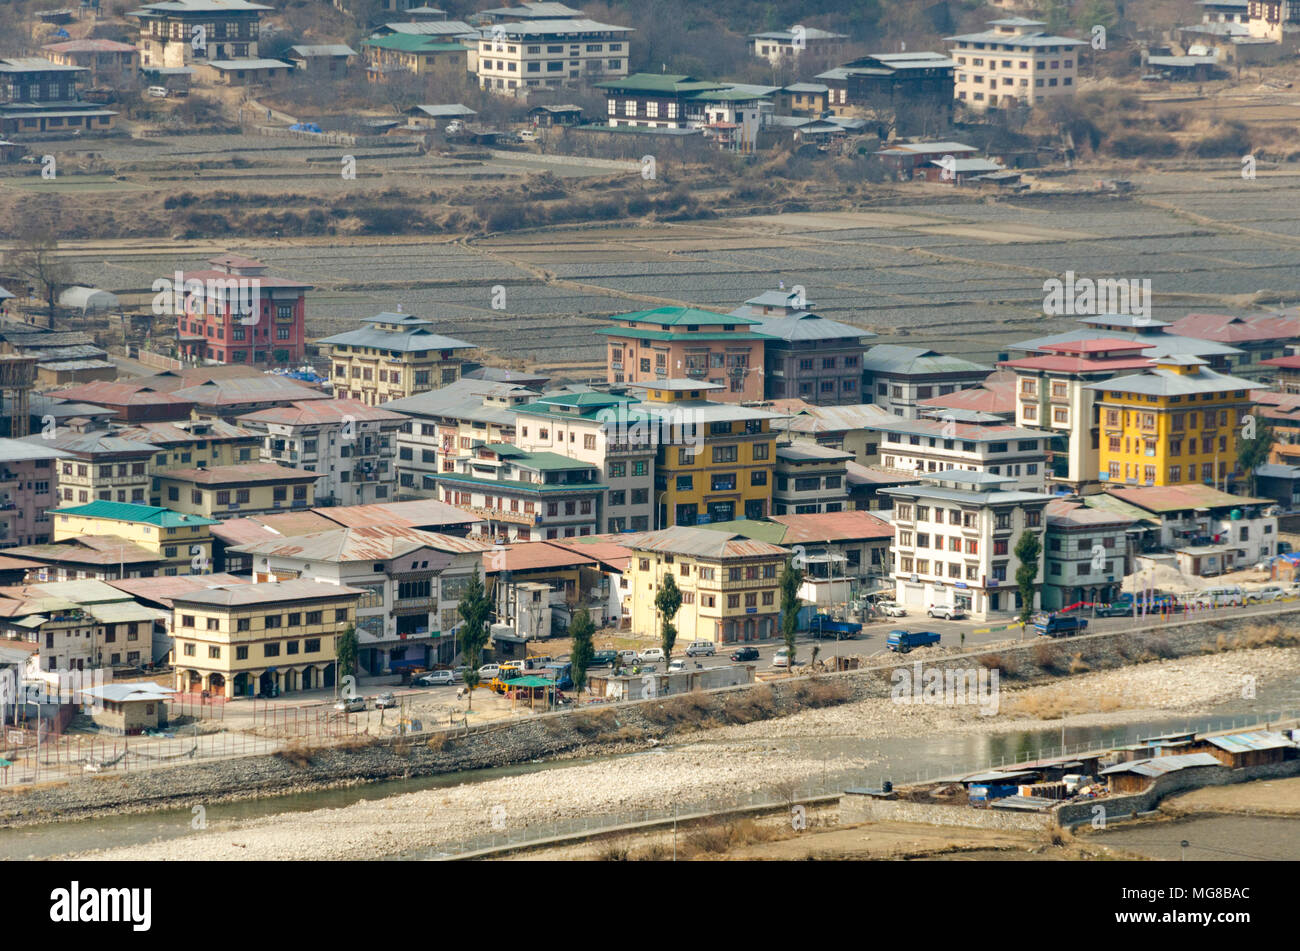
x=415 y=513
x=1159 y=381
x=832 y=526
x=325 y=49
x=1248 y=742
x=368 y=543
x=682 y=316
x=267 y=592
x=809 y=326
x=702 y=542
x=18 y=450
x=247 y=473
x=916 y=361
x=144 y=691
x=338 y=410
x=133 y=512
x=1160 y=765
x=162 y=588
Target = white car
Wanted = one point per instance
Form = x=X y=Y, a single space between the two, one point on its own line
x=1269 y=592
x=487 y=672
x=435 y=678
x=627 y=657
x=781 y=658
x=651 y=655
x=528 y=135
x=676 y=665
x=945 y=612
x=892 y=609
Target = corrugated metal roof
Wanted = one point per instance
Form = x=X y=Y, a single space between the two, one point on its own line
x=916 y=361
x=1248 y=742
x=533 y=556
x=249 y=472
x=317 y=412
x=1160 y=765
x=416 y=513
x=367 y=543
x=162 y=588
x=269 y=592
x=832 y=526
x=705 y=543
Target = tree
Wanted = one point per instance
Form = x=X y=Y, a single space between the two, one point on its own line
x=1253 y=452
x=668 y=601
x=580 y=656
x=34 y=257
x=789 y=582
x=474 y=609
x=1028 y=550
x=346 y=650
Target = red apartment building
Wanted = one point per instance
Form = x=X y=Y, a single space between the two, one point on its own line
x=241 y=315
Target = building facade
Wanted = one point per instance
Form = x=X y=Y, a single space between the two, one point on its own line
x=394 y=356
x=183 y=541
x=234 y=312
x=544 y=54
x=179 y=33
x=808 y=478
x=259 y=488
x=898 y=378
x=1014 y=63
x=28 y=490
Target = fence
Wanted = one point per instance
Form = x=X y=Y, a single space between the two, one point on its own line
x=825 y=788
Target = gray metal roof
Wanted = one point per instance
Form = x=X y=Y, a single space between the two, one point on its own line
x=1162 y=382
x=1159 y=765
x=1248 y=742
x=443 y=109
x=414 y=338
x=1156 y=344
x=464 y=399
x=21 y=450
x=916 y=361
x=325 y=49
x=269 y=592
x=808 y=326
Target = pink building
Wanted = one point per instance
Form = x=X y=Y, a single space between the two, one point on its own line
x=27 y=490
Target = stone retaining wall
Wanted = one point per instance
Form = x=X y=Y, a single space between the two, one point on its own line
x=859 y=807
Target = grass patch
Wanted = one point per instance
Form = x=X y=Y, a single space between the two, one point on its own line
x=295 y=755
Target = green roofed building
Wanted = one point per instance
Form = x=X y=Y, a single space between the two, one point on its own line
x=728 y=113
x=403 y=53
x=184 y=541
x=667 y=343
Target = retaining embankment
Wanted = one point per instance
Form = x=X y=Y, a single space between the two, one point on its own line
x=596 y=729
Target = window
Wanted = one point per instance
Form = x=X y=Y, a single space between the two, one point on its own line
x=271 y=650
x=724 y=454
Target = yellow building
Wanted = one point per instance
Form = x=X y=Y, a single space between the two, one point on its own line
x=728 y=584
x=396 y=355
x=715 y=460
x=274 y=637
x=413 y=54
x=259 y=488
x=183 y=541
x=1177 y=422
x=194 y=443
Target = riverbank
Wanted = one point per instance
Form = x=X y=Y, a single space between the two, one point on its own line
x=725 y=762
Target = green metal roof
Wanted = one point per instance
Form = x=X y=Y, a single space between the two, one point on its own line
x=411 y=43
x=132 y=512
x=771 y=532
x=660 y=82
x=675 y=316
x=641 y=334
x=522 y=486
x=542 y=461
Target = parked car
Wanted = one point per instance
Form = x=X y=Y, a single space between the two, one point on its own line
x=436 y=678
x=676 y=665
x=353 y=705
x=459 y=671
x=651 y=655
x=454 y=126
x=627 y=657
x=528 y=135
x=744 y=654
x=1058 y=625
x=488 y=672
x=904 y=641
x=158 y=92
x=947 y=612
x=603 y=659
x=385 y=701
x=892 y=609
x=700 y=649
x=1115 y=609
x=1270 y=592
x=781 y=658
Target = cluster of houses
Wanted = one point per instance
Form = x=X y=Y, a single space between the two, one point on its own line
x=217 y=514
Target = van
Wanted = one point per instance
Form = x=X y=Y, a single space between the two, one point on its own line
x=158 y=92
x=1221 y=596
x=700 y=649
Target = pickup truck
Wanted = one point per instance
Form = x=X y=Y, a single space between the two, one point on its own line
x=1059 y=625
x=904 y=641
x=825 y=626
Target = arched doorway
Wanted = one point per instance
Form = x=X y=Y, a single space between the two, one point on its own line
x=217 y=685
x=327 y=676
x=266 y=684
x=242 y=684
x=196 y=682
x=306 y=678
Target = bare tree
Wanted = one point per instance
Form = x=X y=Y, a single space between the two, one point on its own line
x=34 y=257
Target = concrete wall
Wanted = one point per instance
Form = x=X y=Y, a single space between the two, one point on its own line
x=856 y=807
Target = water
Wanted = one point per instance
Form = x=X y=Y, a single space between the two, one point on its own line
x=898 y=759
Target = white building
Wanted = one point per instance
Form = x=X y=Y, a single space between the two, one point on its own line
x=966 y=440
x=955 y=537
x=352 y=446
x=808 y=479
x=513 y=57
x=785 y=46
x=1013 y=63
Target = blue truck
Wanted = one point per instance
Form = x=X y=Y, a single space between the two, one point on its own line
x=823 y=625
x=1059 y=625
x=904 y=641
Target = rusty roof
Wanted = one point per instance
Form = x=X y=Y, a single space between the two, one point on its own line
x=606 y=549
x=533 y=556
x=832 y=526
x=363 y=543
x=164 y=588
x=315 y=412
x=416 y=513
x=705 y=543
x=111 y=393
x=241 y=474
x=88 y=550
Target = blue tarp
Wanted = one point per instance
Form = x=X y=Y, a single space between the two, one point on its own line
x=305 y=127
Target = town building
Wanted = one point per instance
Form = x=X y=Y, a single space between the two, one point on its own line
x=1259 y=337
x=611 y=433
x=715 y=460
x=1176 y=422
x=911 y=91
x=392 y=357
x=130 y=401
x=995 y=396
x=242 y=72
x=183 y=541
x=808 y=478
x=547 y=53
x=897 y=378
x=410 y=583
x=98 y=557
x=1285 y=371
x=447 y=422
x=1145 y=330
x=1087 y=554
x=786 y=46
x=351 y=446
x=28 y=490
x=323 y=60
x=98 y=464
x=1274 y=20
x=193 y=443
x=106 y=60
x=908 y=160
x=851 y=428
x=801 y=99
x=1281 y=411
x=728 y=584
x=157 y=592
x=728 y=113
x=1014 y=63
x=651 y=346
x=410 y=54
x=234 y=312
x=127 y=709
x=225 y=491
x=177 y=33
x=227 y=397
x=968 y=441
x=38 y=95
x=955 y=537
x=269 y=638
x=1052 y=391
x=865 y=482
x=518 y=493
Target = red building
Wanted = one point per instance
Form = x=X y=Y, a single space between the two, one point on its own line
x=235 y=313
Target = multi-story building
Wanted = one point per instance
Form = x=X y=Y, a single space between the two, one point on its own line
x=258 y=488
x=193 y=443
x=447 y=422
x=1259 y=337
x=955 y=537
x=351 y=446
x=394 y=356
x=28 y=490
x=809 y=478
x=897 y=378
x=715 y=460
x=518 y=493
x=411 y=54
x=79 y=625
x=1014 y=63
x=611 y=433
x=1152 y=334
x=652 y=346
x=177 y=33
x=914 y=90
x=183 y=541
x=1176 y=422
x=973 y=442
x=410 y=583
x=728 y=584
x=728 y=112
x=37 y=95
x=98 y=557
x=1052 y=392
x=808 y=356
x=104 y=59
x=786 y=46
x=1087 y=554
x=543 y=54
x=851 y=428
x=234 y=312
x=98 y=464
x=1273 y=19
x=269 y=638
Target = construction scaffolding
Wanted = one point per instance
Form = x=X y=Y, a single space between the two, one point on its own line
x=17 y=376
